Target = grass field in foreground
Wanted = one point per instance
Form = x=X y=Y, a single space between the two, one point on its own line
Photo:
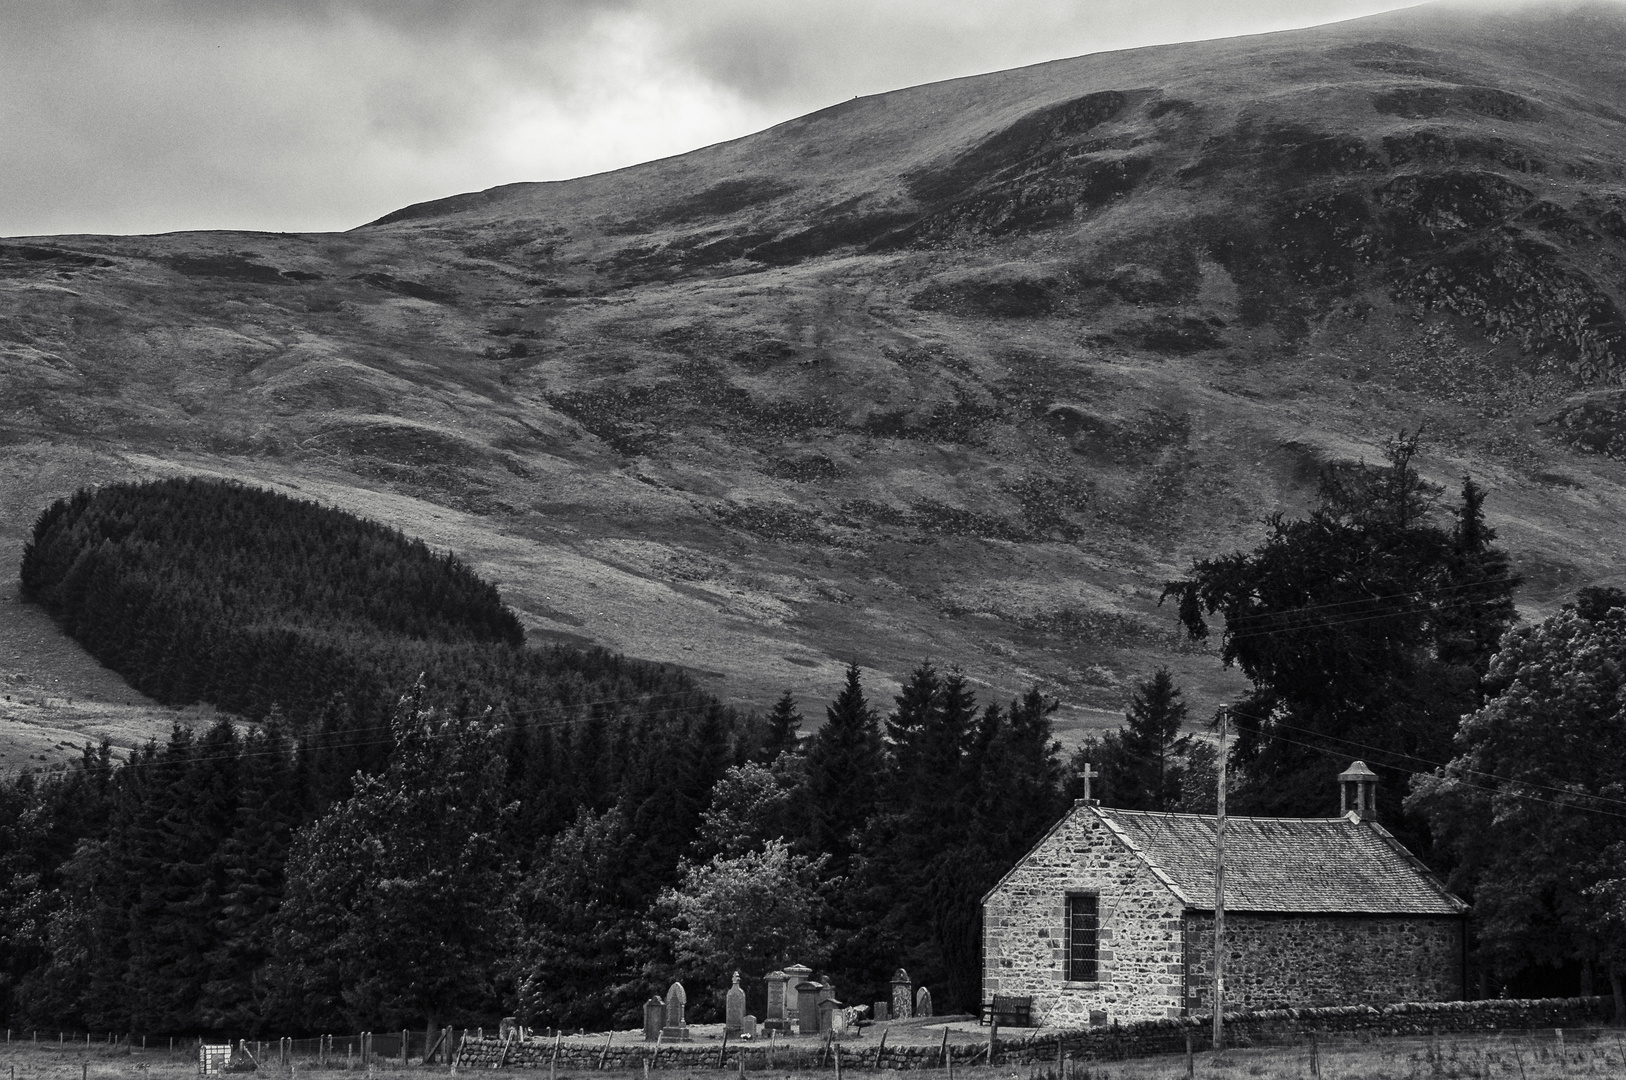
x=1488 y=1057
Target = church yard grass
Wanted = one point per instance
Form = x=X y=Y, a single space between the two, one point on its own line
x=1518 y=1055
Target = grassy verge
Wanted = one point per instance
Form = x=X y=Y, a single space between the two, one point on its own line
x=1523 y=1056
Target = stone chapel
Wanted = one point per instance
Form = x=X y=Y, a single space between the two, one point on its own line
x=1111 y=915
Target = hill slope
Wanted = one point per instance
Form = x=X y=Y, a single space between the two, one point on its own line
x=962 y=371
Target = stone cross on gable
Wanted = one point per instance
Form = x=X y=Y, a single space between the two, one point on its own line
x=1088 y=774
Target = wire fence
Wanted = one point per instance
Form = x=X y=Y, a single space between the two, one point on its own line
x=359 y=1050
x=1528 y=1053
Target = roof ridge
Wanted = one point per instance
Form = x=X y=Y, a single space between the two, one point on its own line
x=1339 y=819
x=1329 y=865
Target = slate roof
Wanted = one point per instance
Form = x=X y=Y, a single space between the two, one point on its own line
x=1289 y=865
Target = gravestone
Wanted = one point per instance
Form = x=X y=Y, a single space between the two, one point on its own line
x=509 y=1028
x=1098 y=1018
x=807 y=1007
x=903 y=1000
x=832 y=1018
x=654 y=1018
x=748 y=1027
x=734 y=1007
x=676 y=1030
x=880 y=1012
x=923 y=1002
x=795 y=975
x=778 y=1009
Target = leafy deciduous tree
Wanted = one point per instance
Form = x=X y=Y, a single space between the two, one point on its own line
x=1534 y=803
x=395 y=904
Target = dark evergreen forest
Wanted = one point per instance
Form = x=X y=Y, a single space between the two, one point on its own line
x=415 y=817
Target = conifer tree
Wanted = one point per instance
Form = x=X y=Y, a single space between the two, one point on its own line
x=1145 y=772
x=783 y=734
x=252 y=860
x=843 y=775
x=1366 y=623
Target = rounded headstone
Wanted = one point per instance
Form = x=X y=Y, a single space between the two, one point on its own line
x=923 y=1002
x=676 y=1029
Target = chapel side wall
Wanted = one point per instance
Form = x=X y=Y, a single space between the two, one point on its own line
x=1306 y=961
x=1024 y=939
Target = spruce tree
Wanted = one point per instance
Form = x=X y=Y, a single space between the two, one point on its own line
x=843 y=774
x=1145 y=773
x=783 y=734
x=252 y=859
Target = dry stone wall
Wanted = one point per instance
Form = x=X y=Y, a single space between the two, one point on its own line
x=1110 y=1043
x=1140 y=971
x=1306 y=961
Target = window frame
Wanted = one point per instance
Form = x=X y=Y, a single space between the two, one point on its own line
x=1092 y=964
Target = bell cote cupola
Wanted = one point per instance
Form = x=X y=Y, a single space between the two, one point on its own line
x=1358 y=792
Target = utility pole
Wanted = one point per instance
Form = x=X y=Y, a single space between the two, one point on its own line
x=1219 y=890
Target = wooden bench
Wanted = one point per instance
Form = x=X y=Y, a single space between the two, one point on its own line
x=1008 y=1010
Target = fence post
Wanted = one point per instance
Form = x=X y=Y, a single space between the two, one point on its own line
x=403 y=1047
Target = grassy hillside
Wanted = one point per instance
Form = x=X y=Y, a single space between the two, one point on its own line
x=962 y=371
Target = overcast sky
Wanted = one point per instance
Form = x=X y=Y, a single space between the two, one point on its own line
x=120 y=116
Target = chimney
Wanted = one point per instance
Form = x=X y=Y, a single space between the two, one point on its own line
x=1358 y=791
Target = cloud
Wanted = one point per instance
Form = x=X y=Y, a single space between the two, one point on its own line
x=322 y=114
x=791 y=51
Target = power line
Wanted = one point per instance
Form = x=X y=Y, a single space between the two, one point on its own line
x=1299 y=619
x=1506 y=579
x=1326 y=752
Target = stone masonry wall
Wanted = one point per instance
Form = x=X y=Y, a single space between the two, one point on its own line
x=1301 y=961
x=1025 y=1047
x=1141 y=970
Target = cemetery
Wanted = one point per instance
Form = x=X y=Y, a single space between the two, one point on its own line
x=805 y=1026
x=955 y=1042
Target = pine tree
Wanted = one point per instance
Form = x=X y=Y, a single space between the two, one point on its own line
x=252 y=859
x=843 y=775
x=1145 y=774
x=783 y=733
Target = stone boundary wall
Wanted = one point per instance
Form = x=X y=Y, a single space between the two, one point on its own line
x=1290 y=1026
x=1143 y=1039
